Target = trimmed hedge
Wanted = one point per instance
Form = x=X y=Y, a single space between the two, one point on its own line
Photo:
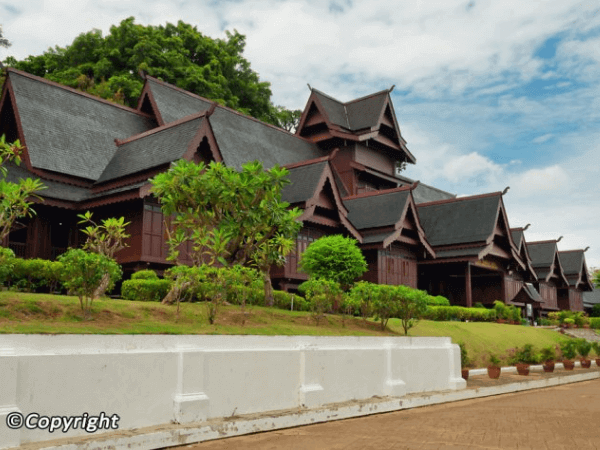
x=34 y=275
x=145 y=290
x=437 y=301
x=444 y=313
x=144 y=275
x=595 y=323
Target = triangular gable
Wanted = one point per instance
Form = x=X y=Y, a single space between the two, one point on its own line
x=319 y=192
x=11 y=122
x=147 y=104
x=575 y=269
x=545 y=260
x=518 y=238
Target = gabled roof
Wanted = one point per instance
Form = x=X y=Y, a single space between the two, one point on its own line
x=591 y=298
x=159 y=146
x=308 y=181
x=172 y=103
x=360 y=119
x=531 y=292
x=68 y=131
x=425 y=193
x=385 y=209
x=462 y=220
x=518 y=237
x=575 y=269
x=545 y=260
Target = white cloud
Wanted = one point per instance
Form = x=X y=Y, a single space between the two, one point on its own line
x=543 y=138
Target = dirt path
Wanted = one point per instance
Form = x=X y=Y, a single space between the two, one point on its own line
x=566 y=416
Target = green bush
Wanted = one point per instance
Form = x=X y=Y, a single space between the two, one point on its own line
x=147 y=274
x=568 y=321
x=580 y=319
x=583 y=347
x=283 y=300
x=595 y=323
x=465 y=360
x=145 y=290
x=548 y=353
x=569 y=349
x=359 y=300
x=447 y=313
x=525 y=355
x=7 y=260
x=437 y=301
x=323 y=295
x=546 y=322
x=595 y=310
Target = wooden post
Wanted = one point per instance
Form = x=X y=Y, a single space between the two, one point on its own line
x=468 y=293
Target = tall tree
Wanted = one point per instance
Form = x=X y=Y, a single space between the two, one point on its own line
x=3 y=41
x=178 y=54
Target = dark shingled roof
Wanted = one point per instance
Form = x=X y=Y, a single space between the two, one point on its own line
x=517 y=236
x=591 y=298
x=303 y=182
x=532 y=292
x=424 y=193
x=571 y=262
x=174 y=104
x=242 y=139
x=356 y=114
x=375 y=211
x=68 y=132
x=541 y=253
x=462 y=221
x=454 y=253
x=163 y=145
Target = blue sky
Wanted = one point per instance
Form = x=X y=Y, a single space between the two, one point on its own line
x=488 y=94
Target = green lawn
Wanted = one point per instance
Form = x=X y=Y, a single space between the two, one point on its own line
x=56 y=314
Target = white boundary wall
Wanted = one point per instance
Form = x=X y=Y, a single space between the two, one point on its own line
x=151 y=380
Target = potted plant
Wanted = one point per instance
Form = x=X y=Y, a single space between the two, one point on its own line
x=596 y=347
x=548 y=355
x=465 y=361
x=523 y=358
x=494 y=367
x=568 y=350
x=584 y=348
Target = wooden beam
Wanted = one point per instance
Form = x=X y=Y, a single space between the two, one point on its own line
x=468 y=293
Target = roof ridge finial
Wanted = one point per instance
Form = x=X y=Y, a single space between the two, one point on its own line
x=526 y=226
x=558 y=240
x=392 y=88
x=505 y=190
x=309 y=87
x=586 y=249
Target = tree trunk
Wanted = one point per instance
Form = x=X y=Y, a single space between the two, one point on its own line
x=101 y=289
x=269 y=300
x=175 y=293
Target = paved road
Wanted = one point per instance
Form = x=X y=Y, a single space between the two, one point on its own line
x=562 y=417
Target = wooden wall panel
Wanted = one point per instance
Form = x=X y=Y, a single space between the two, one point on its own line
x=374 y=159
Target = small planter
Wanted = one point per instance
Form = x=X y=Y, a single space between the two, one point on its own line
x=465 y=374
x=548 y=366
x=494 y=371
x=585 y=363
x=522 y=369
x=569 y=365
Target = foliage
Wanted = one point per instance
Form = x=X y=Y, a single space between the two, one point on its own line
x=595 y=323
x=465 y=360
x=438 y=301
x=83 y=272
x=147 y=274
x=584 y=347
x=442 y=313
x=505 y=312
x=35 y=274
x=14 y=197
x=548 y=353
x=525 y=355
x=323 y=295
x=494 y=360
x=568 y=349
x=410 y=306
x=229 y=217
x=569 y=322
x=580 y=319
x=7 y=258
x=596 y=347
x=335 y=258
x=146 y=290
x=545 y=322
x=107 y=238
x=108 y=66
x=4 y=42
x=360 y=298
x=595 y=310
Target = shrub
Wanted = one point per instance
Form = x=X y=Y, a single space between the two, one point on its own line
x=283 y=300
x=465 y=360
x=569 y=322
x=145 y=290
x=596 y=347
x=360 y=299
x=580 y=319
x=595 y=323
x=410 y=306
x=525 y=355
x=548 y=353
x=322 y=294
x=83 y=272
x=494 y=360
x=335 y=258
x=502 y=311
x=147 y=274
x=446 y=313
x=438 y=301
x=568 y=349
x=7 y=260
x=545 y=322
x=583 y=347
x=595 y=310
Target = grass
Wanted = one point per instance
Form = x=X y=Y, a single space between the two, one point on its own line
x=57 y=314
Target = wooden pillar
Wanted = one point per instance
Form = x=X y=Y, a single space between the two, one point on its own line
x=468 y=293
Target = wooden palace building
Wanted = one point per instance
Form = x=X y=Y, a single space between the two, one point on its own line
x=95 y=155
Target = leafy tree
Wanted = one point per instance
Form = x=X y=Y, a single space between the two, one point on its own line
x=411 y=305
x=14 y=197
x=108 y=66
x=105 y=239
x=83 y=272
x=3 y=41
x=334 y=258
x=322 y=295
x=229 y=217
x=596 y=277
